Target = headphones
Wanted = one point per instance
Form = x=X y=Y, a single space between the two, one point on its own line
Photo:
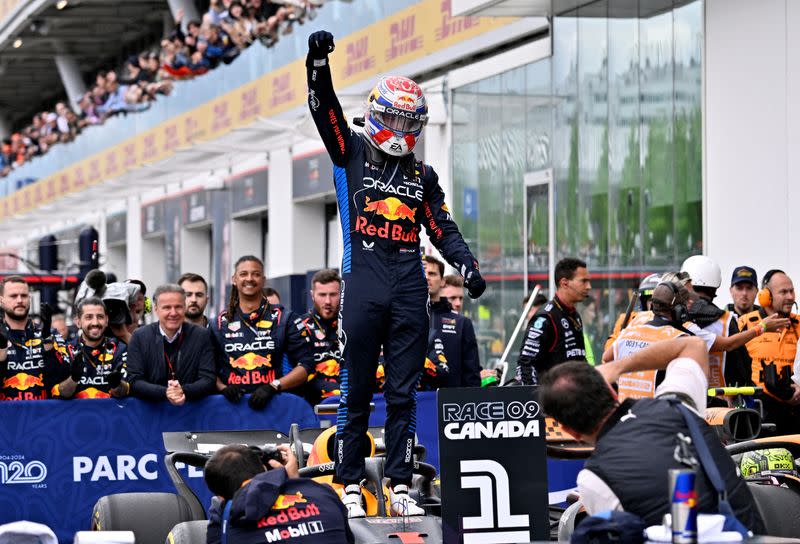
x=765 y=295
x=679 y=312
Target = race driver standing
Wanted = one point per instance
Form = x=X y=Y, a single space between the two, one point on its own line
x=384 y=197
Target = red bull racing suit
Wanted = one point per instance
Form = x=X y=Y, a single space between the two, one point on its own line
x=324 y=382
x=384 y=202
x=98 y=362
x=260 y=347
x=34 y=367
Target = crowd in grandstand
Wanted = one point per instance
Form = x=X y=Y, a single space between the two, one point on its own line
x=225 y=30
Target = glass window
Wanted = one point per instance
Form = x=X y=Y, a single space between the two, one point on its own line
x=616 y=113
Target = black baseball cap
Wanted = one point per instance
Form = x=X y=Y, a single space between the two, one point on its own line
x=744 y=274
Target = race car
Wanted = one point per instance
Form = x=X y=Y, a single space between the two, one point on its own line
x=182 y=516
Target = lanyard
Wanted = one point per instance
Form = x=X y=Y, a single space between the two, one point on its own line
x=260 y=313
x=170 y=365
x=226 y=515
x=29 y=334
x=103 y=350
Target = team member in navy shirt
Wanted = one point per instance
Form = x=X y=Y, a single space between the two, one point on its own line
x=262 y=348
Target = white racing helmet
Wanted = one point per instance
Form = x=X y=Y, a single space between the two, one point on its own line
x=703 y=271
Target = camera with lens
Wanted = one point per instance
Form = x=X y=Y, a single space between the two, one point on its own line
x=268 y=452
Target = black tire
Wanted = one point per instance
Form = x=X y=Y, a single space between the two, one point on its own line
x=150 y=516
x=188 y=532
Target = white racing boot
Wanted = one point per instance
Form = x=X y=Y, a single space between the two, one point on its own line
x=403 y=505
x=353 y=502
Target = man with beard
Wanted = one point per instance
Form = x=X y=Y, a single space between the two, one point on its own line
x=196 y=298
x=263 y=348
x=323 y=327
x=98 y=362
x=36 y=360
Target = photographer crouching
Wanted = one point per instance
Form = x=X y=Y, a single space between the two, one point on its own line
x=263 y=495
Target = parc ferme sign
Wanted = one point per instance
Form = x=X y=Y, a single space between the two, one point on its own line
x=493 y=460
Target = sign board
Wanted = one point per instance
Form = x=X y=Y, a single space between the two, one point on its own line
x=153 y=219
x=116 y=229
x=312 y=176
x=250 y=192
x=196 y=208
x=493 y=460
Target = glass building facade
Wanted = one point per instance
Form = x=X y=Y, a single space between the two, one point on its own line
x=602 y=141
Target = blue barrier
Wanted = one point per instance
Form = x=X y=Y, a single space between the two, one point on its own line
x=58 y=457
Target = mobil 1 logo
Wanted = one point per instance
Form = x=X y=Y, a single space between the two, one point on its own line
x=493 y=460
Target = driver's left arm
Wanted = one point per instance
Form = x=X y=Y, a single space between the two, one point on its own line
x=439 y=224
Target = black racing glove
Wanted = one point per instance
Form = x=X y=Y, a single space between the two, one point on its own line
x=47 y=320
x=320 y=44
x=474 y=282
x=261 y=397
x=3 y=340
x=114 y=378
x=233 y=393
x=76 y=372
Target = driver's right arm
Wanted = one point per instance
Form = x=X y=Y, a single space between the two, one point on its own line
x=322 y=100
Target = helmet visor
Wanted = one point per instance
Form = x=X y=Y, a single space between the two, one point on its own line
x=398 y=123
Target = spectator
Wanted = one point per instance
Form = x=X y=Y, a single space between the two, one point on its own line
x=579 y=397
x=272 y=296
x=171 y=359
x=36 y=360
x=323 y=328
x=59 y=325
x=99 y=363
x=453 y=330
x=263 y=495
x=151 y=72
x=453 y=291
x=196 y=289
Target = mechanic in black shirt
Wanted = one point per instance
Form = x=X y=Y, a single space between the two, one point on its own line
x=99 y=363
x=262 y=348
x=454 y=331
x=555 y=333
x=323 y=327
x=270 y=502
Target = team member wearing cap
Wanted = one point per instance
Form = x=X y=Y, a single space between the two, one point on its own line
x=774 y=353
x=744 y=288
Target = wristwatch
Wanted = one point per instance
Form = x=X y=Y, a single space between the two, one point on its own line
x=276 y=384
